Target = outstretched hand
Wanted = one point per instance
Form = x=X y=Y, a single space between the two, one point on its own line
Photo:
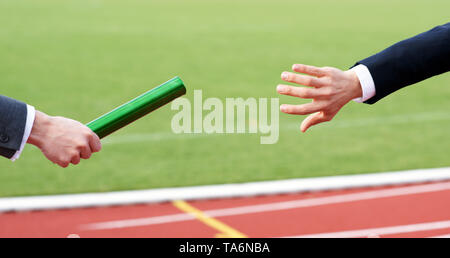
x=331 y=90
x=62 y=140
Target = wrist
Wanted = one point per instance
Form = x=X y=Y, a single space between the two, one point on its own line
x=40 y=129
x=354 y=85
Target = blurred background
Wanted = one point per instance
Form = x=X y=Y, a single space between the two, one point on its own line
x=80 y=59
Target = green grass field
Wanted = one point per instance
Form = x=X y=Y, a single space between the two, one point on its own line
x=81 y=58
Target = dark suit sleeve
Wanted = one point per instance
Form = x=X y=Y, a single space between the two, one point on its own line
x=13 y=116
x=409 y=61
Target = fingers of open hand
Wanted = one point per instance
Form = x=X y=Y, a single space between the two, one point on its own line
x=303 y=79
x=314 y=119
x=326 y=93
x=303 y=109
x=302 y=92
x=309 y=69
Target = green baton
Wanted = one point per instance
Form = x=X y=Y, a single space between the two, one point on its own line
x=138 y=107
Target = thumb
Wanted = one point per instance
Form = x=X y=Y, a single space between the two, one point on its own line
x=314 y=119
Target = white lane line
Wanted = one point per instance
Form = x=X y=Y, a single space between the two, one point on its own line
x=330 y=200
x=139 y=222
x=442 y=236
x=381 y=231
x=360 y=122
x=277 y=206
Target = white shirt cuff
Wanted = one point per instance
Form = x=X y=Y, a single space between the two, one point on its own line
x=366 y=81
x=31 y=112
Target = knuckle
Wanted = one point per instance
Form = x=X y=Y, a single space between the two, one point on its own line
x=304 y=92
x=63 y=164
x=74 y=155
x=80 y=144
x=311 y=93
x=87 y=134
x=329 y=81
x=329 y=91
x=291 y=77
x=316 y=82
x=293 y=110
x=300 y=110
x=98 y=147
x=80 y=147
x=86 y=155
x=327 y=69
x=326 y=81
x=60 y=159
x=288 y=90
x=326 y=109
x=66 y=160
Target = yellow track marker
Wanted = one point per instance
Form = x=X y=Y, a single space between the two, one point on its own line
x=225 y=230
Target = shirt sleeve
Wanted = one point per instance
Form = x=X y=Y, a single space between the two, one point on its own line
x=31 y=113
x=366 y=81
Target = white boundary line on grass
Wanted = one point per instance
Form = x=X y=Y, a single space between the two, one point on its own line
x=223 y=191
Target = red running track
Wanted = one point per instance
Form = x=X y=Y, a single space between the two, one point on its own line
x=402 y=211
